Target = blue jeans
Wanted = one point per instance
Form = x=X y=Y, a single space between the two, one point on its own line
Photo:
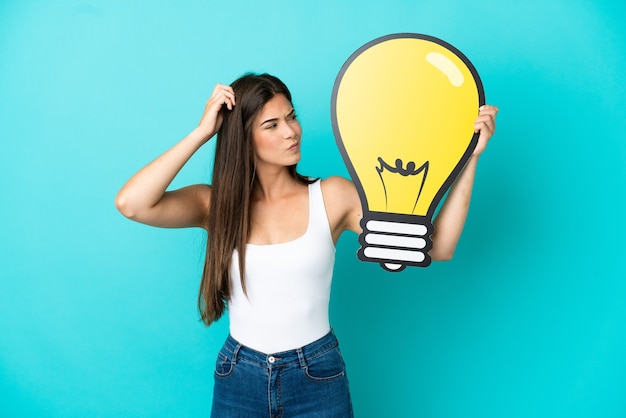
x=309 y=382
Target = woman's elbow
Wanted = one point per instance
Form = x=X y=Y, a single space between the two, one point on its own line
x=123 y=206
x=442 y=255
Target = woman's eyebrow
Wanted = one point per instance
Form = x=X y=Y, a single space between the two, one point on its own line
x=269 y=120
x=275 y=119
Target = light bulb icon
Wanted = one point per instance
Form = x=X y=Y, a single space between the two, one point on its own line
x=403 y=111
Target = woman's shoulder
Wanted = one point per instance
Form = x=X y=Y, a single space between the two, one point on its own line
x=342 y=204
x=337 y=188
x=336 y=184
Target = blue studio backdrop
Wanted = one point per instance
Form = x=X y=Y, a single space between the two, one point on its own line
x=98 y=314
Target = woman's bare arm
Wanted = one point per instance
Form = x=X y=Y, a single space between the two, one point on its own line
x=144 y=197
x=451 y=219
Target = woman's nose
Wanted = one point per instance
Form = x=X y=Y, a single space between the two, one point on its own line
x=288 y=131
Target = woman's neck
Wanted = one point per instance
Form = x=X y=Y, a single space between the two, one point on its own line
x=273 y=184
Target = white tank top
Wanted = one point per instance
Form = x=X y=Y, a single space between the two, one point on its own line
x=288 y=286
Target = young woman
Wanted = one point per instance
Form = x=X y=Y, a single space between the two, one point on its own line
x=271 y=247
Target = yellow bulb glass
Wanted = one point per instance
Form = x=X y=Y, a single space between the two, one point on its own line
x=403 y=112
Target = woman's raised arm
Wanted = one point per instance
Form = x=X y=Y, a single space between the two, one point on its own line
x=452 y=215
x=144 y=197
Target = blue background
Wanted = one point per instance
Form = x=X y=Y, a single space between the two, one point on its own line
x=98 y=314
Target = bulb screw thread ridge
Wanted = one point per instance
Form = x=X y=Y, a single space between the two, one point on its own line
x=395 y=240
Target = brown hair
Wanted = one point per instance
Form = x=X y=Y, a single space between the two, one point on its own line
x=233 y=183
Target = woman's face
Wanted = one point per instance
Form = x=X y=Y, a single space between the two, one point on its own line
x=276 y=134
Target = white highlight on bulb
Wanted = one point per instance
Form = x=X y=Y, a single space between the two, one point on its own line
x=446 y=66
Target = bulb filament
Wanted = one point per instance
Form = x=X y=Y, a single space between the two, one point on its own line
x=409 y=171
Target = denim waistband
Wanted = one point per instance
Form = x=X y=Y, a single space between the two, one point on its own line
x=299 y=355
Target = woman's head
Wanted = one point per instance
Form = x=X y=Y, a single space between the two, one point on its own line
x=252 y=92
x=235 y=149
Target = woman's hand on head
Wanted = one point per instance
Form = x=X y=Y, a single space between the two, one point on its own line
x=213 y=117
x=485 y=124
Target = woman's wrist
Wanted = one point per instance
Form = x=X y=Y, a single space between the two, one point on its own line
x=200 y=136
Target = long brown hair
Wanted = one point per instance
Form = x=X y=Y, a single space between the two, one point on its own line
x=233 y=183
